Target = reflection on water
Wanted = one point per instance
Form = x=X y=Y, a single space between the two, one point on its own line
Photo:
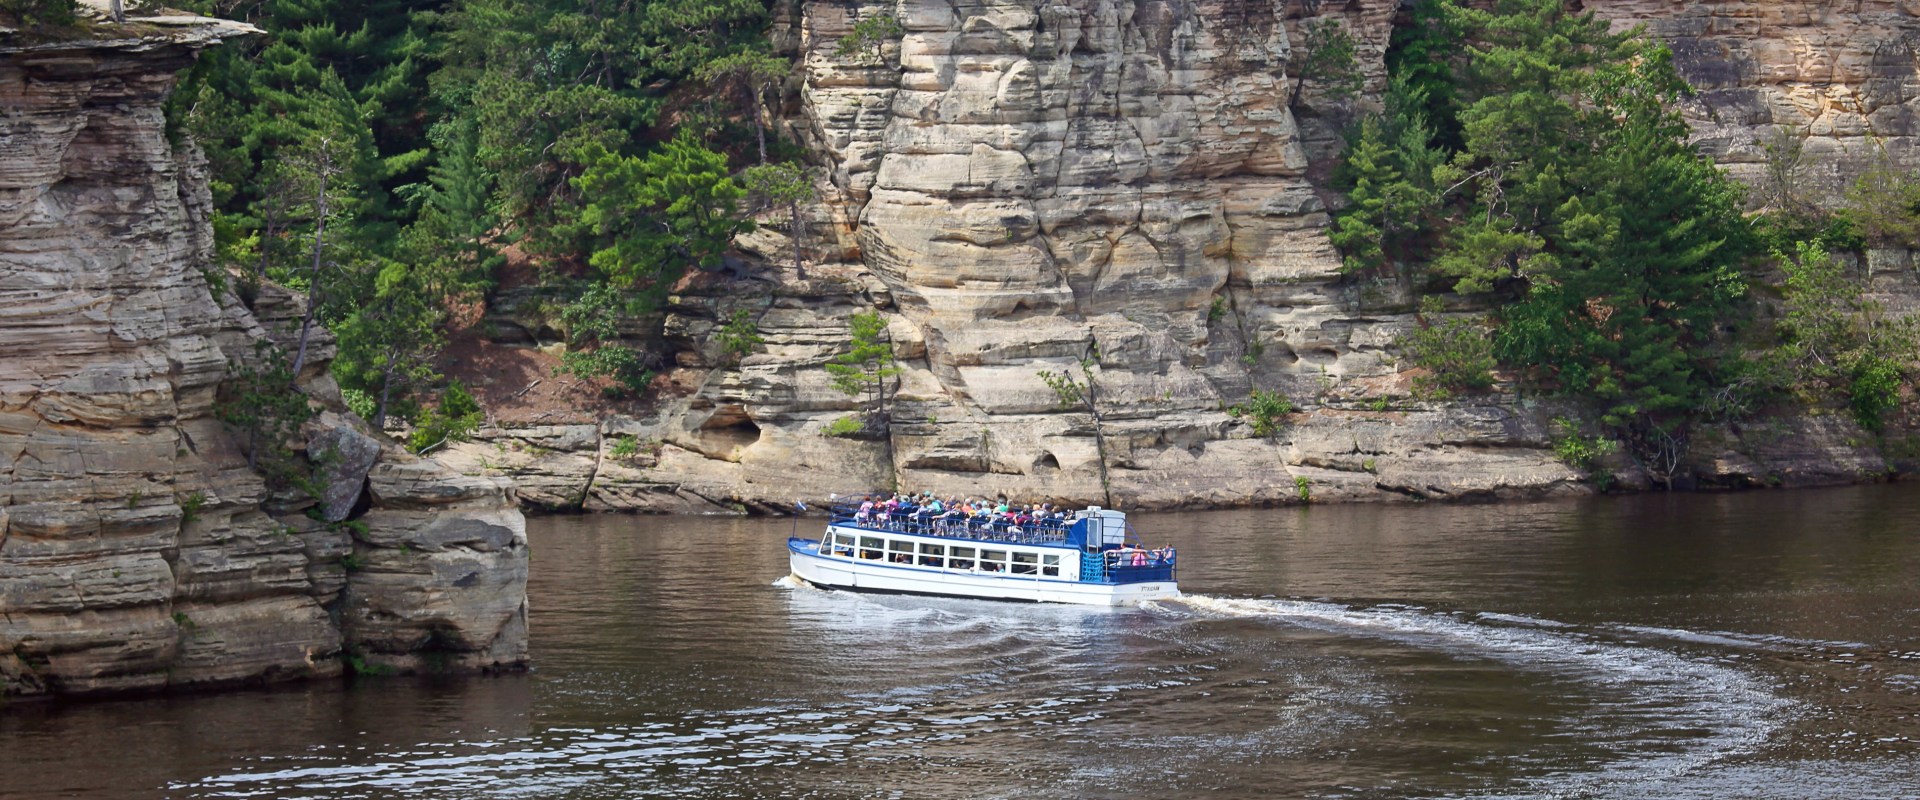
x=1753 y=645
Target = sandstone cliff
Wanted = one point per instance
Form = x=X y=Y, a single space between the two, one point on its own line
x=1014 y=181
x=137 y=550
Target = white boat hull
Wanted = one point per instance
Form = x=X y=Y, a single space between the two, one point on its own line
x=877 y=576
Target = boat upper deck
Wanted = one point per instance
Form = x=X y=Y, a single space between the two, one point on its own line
x=923 y=521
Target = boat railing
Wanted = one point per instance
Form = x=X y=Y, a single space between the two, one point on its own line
x=1139 y=565
x=973 y=527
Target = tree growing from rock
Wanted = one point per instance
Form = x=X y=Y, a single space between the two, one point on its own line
x=453 y=419
x=1836 y=341
x=1083 y=392
x=1327 y=60
x=1456 y=353
x=259 y=401
x=752 y=75
x=317 y=172
x=594 y=345
x=783 y=184
x=868 y=369
x=866 y=42
x=389 y=342
x=1884 y=202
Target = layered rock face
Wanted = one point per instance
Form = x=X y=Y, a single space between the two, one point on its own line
x=1025 y=183
x=137 y=550
x=1841 y=77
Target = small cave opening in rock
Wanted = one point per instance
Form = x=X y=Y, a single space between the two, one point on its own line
x=729 y=426
x=1046 y=461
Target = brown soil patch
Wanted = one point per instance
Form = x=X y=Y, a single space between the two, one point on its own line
x=518 y=385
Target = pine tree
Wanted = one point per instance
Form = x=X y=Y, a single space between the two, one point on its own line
x=753 y=76
x=675 y=209
x=451 y=241
x=783 y=184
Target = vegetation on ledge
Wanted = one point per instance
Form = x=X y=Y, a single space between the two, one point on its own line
x=1544 y=167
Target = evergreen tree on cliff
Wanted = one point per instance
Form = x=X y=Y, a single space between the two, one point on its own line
x=1575 y=199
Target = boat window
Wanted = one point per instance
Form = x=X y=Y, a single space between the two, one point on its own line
x=1050 y=565
x=1023 y=563
x=900 y=545
x=993 y=561
x=870 y=547
x=930 y=555
x=962 y=558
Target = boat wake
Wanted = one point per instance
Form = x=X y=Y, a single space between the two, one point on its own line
x=979 y=680
x=1690 y=712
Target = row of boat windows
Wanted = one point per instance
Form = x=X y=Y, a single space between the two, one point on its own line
x=928 y=554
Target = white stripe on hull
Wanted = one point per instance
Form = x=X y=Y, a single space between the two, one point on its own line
x=877 y=577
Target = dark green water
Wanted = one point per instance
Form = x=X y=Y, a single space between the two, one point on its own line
x=1762 y=645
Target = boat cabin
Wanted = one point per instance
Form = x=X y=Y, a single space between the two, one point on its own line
x=1091 y=546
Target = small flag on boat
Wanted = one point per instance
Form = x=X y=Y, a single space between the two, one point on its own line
x=799 y=505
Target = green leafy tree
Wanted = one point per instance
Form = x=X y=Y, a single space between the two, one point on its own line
x=1785 y=170
x=1265 y=411
x=1327 y=60
x=753 y=76
x=595 y=347
x=1457 y=353
x=555 y=85
x=40 y=13
x=452 y=240
x=740 y=335
x=260 y=402
x=1837 y=342
x=866 y=42
x=1884 y=202
x=387 y=345
x=1422 y=56
x=658 y=216
x=783 y=184
x=1387 y=174
x=1526 y=124
x=867 y=368
x=1571 y=193
x=454 y=419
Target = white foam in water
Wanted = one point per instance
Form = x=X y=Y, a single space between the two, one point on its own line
x=1747 y=641
x=1673 y=714
x=1670 y=692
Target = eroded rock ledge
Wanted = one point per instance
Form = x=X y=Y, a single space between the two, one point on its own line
x=137 y=550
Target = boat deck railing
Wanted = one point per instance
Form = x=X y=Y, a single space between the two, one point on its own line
x=973 y=528
x=1136 y=565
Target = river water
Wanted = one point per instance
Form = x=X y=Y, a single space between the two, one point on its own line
x=1758 y=645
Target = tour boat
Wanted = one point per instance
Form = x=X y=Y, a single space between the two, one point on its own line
x=1087 y=558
